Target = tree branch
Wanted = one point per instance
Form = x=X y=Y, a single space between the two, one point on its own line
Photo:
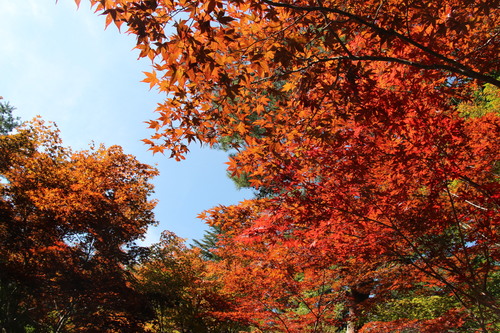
x=451 y=65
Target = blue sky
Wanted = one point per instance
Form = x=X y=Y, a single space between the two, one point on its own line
x=60 y=63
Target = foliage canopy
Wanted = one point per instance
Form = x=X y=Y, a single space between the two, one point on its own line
x=362 y=119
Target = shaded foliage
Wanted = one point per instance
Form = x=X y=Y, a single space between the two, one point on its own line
x=67 y=221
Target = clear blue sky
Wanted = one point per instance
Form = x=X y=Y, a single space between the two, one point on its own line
x=60 y=63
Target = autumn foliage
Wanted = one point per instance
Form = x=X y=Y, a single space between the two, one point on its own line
x=372 y=129
x=184 y=292
x=67 y=230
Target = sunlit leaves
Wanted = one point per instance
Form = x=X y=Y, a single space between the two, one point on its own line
x=345 y=112
x=68 y=222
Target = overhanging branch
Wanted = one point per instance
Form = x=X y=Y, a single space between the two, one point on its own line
x=449 y=64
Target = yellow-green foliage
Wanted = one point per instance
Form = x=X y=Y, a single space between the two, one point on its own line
x=422 y=307
x=486 y=101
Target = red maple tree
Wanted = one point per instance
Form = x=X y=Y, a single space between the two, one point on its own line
x=348 y=114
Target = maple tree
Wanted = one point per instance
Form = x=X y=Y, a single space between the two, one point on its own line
x=352 y=115
x=398 y=229
x=67 y=232
x=226 y=59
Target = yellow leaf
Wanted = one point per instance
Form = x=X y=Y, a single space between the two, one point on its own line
x=289 y=86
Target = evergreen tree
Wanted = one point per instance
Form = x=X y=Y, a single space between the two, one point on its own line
x=7 y=121
x=208 y=243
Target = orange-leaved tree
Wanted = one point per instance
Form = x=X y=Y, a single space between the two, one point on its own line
x=348 y=112
x=69 y=222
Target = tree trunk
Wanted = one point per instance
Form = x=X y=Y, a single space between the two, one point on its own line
x=358 y=294
x=351 y=324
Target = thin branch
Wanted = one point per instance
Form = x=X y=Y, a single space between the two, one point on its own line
x=369 y=58
x=470 y=203
x=461 y=235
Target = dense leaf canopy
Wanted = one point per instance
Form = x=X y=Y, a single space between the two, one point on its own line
x=67 y=229
x=362 y=121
